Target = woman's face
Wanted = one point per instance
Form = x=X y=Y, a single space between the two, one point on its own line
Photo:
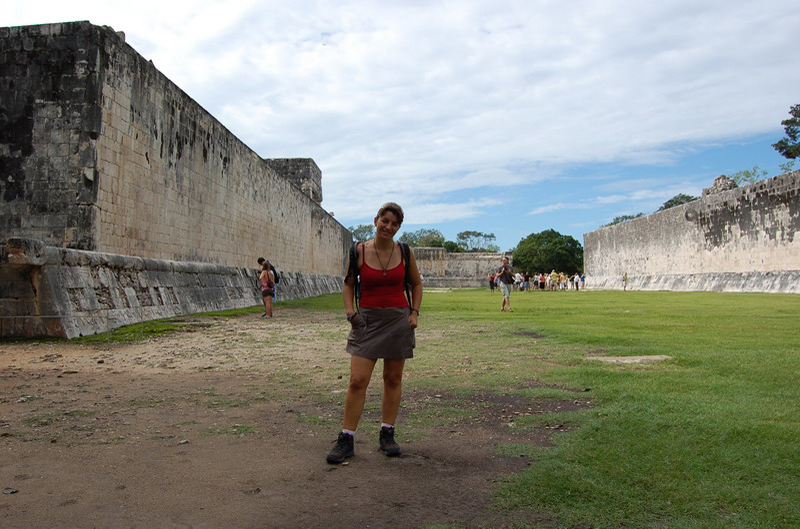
x=386 y=225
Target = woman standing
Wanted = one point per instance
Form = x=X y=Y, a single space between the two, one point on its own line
x=267 y=288
x=382 y=327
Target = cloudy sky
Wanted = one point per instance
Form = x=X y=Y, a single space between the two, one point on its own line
x=505 y=117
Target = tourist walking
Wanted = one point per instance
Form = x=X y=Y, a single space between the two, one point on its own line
x=382 y=295
x=505 y=278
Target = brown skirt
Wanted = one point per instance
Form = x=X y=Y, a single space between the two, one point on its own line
x=382 y=333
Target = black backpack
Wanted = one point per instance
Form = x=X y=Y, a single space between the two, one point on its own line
x=275 y=273
x=352 y=270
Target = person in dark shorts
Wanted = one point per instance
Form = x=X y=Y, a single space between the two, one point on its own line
x=505 y=277
x=382 y=327
x=261 y=262
x=267 y=282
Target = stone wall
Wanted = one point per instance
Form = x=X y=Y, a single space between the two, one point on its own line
x=455 y=270
x=302 y=172
x=49 y=291
x=741 y=240
x=100 y=151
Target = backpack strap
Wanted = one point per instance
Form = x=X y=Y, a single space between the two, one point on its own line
x=353 y=270
x=407 y=259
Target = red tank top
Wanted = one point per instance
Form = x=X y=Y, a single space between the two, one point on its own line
x=383 y=291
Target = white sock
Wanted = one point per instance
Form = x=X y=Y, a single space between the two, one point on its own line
x=384 y=425
x=351 y=433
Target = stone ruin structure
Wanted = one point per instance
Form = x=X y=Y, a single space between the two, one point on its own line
x=455 y=270
x=732 y=239
x=721 y=183
x=123 y=200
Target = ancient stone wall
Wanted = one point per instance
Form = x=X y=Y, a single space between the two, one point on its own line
x=455 y=270
x=100 y=151
x=49 y=291
x=741 y=240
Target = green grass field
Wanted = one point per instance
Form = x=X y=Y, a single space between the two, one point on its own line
x=706 y=439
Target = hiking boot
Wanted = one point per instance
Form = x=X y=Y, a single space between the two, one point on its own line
x=343 y=449
x=388 y=444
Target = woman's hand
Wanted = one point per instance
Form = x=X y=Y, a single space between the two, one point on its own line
x=412 y=320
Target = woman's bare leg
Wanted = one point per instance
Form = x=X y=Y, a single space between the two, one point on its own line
x=360 y=373
x=392 y=390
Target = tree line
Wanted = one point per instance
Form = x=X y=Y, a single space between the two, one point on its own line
x=466 y=241
x=538 y=252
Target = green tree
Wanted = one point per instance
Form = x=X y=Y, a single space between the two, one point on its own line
x=475 y=241
x=452 y=247
x=789 y=147
x=623 y=218
x=548 y=250
x=423 y=237
x=677 y=200
x=748 y=176
x=362 y=232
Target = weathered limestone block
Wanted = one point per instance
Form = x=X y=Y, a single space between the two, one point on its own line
x=25 y=252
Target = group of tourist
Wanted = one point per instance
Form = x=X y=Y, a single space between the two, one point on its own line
x=524 y=282
x=507 y=280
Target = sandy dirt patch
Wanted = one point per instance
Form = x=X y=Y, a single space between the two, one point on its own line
x=227 y=423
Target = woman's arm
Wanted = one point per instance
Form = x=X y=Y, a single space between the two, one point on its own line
x=416 y=290
x=348 y=295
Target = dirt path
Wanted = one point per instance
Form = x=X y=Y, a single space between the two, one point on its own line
x=227 y=424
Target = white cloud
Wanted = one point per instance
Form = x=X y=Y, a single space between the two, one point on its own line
x=555 y=207
x=424 y=101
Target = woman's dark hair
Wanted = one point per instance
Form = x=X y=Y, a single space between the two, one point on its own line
x=394 y=208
